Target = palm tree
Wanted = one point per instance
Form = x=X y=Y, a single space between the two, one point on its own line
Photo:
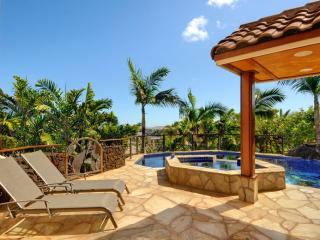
x=266 y=100
x=146 y=90
x=67 y=116
x=197 y=116
x=309 y=85
x=22 y=105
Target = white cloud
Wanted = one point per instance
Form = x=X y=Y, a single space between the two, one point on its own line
x=220 y=24
x=220 y=3
x=196 y=30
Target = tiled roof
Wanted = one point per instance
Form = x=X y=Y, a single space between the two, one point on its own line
x=284 y=24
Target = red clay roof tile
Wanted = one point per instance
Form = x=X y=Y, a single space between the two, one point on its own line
x=269 y=28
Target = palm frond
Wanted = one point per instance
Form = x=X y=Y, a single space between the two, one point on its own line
x=138 y=86
x=304 y=85
x=89 y=94
x=73 y=96
x=101 y=104
x=155 y=79
x=50 y=87
x=192 y=99
x=211 y=110
x=269 y=97
x=167 y=98
x=266 y=100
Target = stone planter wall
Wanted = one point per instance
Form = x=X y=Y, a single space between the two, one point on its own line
x=271 y=177
x=114 y=157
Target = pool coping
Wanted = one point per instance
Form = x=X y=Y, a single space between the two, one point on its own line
x=267 y=167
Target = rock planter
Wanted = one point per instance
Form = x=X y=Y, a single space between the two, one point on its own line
x=114 y=157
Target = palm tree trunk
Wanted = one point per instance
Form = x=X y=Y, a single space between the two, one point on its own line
x=143 y=128
x=317 y=122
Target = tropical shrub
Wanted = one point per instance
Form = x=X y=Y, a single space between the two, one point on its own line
x=44 y=114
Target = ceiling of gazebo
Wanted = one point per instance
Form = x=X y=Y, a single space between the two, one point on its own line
x=282 y=46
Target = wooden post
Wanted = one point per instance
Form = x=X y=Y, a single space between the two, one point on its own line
x=101 y=154
x=137 y=145
x=163 y=143
x=66 y=165
x=247 y=124
x=219 y=141
x=192 y=142
x=130 y=140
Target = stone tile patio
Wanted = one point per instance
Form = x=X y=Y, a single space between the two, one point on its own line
x=156 y=209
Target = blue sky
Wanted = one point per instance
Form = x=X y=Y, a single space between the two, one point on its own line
x=77 y=41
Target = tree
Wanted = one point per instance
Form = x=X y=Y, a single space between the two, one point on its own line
x=146 y=90
x=69 y=118
x=228 y=123
x=21 y=106
x=266 y=100
x=309 y=85
x=296 y=127
x=199 y=117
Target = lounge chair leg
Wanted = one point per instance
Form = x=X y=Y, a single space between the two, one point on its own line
x=120 y=206
x=121 y=199
x=113 y=221
x=127 y=189
x=11 y=214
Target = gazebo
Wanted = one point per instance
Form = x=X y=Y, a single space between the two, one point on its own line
x=282 y=46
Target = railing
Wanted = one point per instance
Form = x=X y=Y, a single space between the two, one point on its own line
x=19 y=150
x=191 y=142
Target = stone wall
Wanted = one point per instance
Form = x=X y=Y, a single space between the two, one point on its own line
x=114 y=156
x=58 y=159
x=271 y=181
x=270 y=177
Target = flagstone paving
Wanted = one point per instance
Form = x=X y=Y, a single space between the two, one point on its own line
x=155 y=209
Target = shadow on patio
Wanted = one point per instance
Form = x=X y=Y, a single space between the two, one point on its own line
x=160 y=218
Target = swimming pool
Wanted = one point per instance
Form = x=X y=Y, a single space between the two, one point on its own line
x=298 y=171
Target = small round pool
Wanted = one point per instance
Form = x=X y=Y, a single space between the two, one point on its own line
x=298 y=171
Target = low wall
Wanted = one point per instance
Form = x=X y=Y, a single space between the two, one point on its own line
x=114 y=156
x=271 y=177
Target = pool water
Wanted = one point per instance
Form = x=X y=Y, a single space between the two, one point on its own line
x=298 y=171
x=153 y=161
x=218 y=164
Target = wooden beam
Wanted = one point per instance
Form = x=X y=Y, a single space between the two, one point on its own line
x=289 y=78
x=231 y=68
x=277 y=45
x=248 y=124
x=261 y=68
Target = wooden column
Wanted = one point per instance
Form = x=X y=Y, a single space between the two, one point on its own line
x=247 y=124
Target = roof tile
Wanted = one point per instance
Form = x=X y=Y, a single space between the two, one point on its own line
x=269 y=28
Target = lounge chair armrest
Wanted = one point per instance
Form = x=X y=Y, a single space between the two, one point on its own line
x=66 y=185
x=12 y=215
x=21 y=201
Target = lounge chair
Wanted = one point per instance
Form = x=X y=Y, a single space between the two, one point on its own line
x=28 y=198
x=58 y=183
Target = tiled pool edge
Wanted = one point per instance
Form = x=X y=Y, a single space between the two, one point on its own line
x=270 y=178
